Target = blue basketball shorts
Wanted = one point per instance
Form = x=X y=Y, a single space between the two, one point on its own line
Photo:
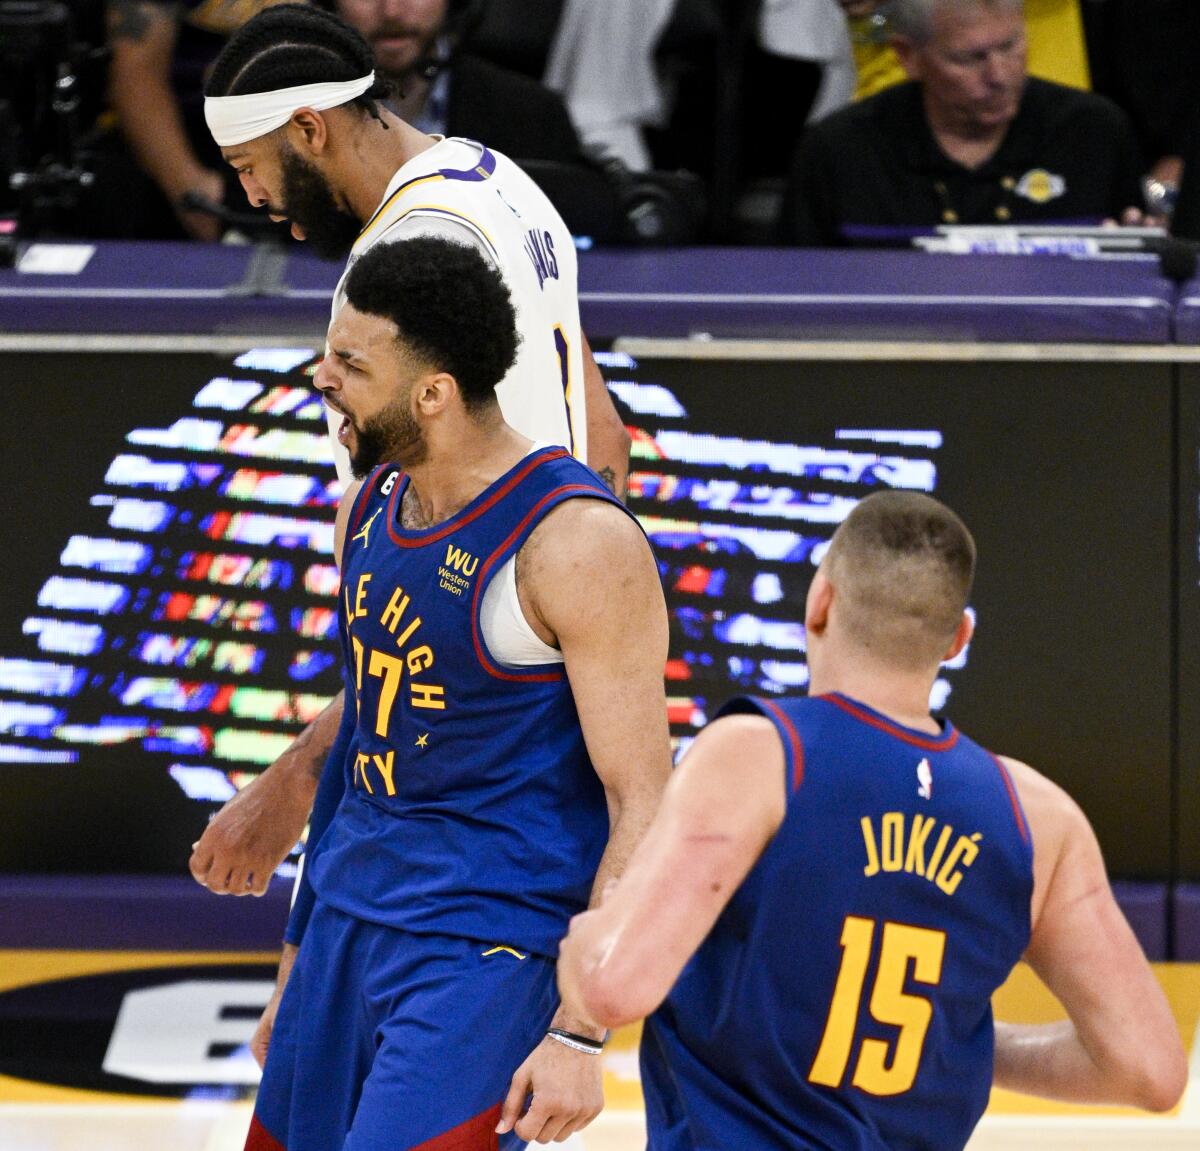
x=388 y=1041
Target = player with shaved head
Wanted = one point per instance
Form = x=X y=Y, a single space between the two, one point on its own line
x=834 y=887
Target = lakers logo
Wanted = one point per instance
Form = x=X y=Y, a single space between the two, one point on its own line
x=1040 y=186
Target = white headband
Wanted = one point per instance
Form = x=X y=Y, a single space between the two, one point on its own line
x=236 y=119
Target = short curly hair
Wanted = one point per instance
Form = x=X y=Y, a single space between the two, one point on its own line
x=451 y=309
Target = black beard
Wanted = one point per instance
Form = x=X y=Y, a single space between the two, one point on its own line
x=392 y=435
x=308 y=201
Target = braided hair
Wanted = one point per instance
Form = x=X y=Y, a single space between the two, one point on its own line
x=287 y=45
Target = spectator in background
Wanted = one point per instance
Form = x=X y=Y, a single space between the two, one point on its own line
x=602 y=61
x=1053 y=30
x=970 y=139
x=699 y=85
x=444 y=92
x=161 y=50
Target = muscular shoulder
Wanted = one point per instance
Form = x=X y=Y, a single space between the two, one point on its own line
x=582 y=563
x=1063 y=839
x=578 y=538
x=1046 y=805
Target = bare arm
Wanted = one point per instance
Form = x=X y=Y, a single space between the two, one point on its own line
x=590 y=580
x=588 y=584
x=607 y=440
x=252 y=834
x=723 y=805
x=1119 y=1043
x=142 y=35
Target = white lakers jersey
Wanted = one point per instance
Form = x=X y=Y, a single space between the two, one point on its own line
x=462 y=191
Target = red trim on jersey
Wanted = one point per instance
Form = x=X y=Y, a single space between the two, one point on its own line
x=1018 y=812
x=481 y=583
x=258 y=1138
x=461 y=520
x=478 y=1134
x=793 y=736
x=943 y=744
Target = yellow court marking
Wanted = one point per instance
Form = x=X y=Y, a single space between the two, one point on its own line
x=23 y=968
x=1022 y=999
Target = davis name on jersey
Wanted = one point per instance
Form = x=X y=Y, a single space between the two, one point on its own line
x=459 y=190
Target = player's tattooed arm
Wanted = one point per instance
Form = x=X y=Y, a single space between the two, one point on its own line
x=134 y=19
x=607 y=440
x=610 y=478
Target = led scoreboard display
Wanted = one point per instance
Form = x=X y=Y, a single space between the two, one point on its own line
x=170 y=612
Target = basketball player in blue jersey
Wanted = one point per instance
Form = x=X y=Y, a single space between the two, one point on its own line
x=504 y=634
x=293 y=102
x=835 y=885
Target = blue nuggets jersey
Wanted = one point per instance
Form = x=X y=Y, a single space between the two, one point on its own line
x=843 y=1000
x=471 y=806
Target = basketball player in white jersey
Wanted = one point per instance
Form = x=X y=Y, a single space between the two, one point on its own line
x=291 y=103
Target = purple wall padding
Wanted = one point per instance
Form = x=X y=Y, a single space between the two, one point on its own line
x=1187 y=922
x=145 y=287
x=1145 y=906
x=120 y=912
x=171 y=913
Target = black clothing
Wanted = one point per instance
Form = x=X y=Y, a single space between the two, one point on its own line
x=509 y=112
x=1142 y=55
x=1067 y=156
x=1185 y=222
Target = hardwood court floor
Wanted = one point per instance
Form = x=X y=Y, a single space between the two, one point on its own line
x=40 y=1116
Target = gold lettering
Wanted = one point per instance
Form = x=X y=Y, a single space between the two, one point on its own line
x=395 y=610
x=965 y=851
x=419 y=659
x=938 y=851
x=403 y=637
x=915 y=859
x=428 y=695
x=390 y=668
x=360 y=606
x=360 y=764
x=868 y=831
x=893 y=841
x=386 y=767
x=460 y=560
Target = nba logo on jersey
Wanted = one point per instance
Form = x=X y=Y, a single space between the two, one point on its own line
x=924 y=780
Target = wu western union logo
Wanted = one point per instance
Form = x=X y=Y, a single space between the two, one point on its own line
x=455 y=574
